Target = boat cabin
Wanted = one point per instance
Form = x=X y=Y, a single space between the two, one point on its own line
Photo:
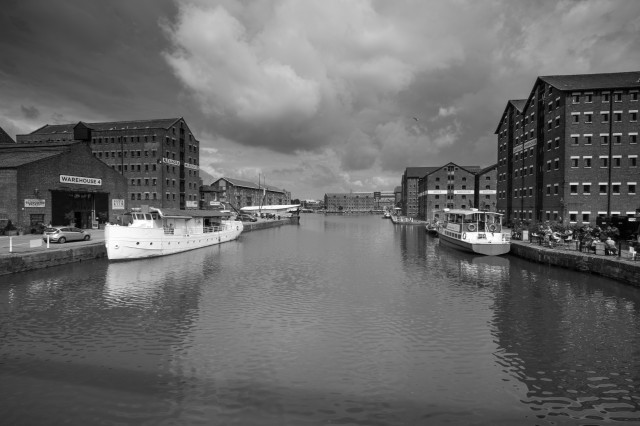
x=178 y=222
x=472 y=220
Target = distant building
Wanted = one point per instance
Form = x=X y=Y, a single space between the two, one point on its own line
x=569 y=152
x=410 y=179
x=241 y=193
x=159 y=158
x=313 y=204
x=397 y=192
x=209 y=198
x=452 y=186
x=486 y=188
x=350 y=202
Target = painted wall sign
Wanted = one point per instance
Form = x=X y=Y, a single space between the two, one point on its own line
x=487 y=191
x=80 y=180
x=192 y=204
x=463 y=191
x=117 y=204
x=170 y=161
x=191 y=166
x=437 y=191
x=32 y=202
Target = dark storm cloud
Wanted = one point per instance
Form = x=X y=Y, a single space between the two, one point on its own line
x=30 y=112
x=101 y=55
x=332 y=85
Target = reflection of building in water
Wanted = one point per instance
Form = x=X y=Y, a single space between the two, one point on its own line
x=570 y=340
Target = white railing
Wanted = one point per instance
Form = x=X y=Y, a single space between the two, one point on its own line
x=194 y=231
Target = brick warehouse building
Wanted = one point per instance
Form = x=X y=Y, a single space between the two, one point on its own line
x=159 y=158
x=452 y=186
x=241 y=193
x=569 y=152
x=409 y=189
x=57 y=183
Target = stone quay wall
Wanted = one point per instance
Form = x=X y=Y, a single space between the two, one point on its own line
x=27 y=261
x=607 y=266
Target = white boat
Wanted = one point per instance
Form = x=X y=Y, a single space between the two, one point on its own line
x=276 y=211
x=159 y=232
x=282 y=210
x=474 y=231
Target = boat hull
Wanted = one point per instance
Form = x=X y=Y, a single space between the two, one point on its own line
x=128 y=243
x=485 y=248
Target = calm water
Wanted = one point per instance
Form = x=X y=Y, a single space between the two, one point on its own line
x=340 y=320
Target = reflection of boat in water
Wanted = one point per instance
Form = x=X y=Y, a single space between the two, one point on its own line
x=474 y=231
x=387 y=215
x=159 y=232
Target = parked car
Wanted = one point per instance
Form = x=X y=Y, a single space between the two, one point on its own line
x=246 y=218
x=62 y=234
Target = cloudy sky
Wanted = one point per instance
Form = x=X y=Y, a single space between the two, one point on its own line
x=317 y=96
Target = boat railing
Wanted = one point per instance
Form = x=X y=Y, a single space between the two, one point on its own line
x=193 y=230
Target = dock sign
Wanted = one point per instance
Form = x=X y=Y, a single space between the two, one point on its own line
x=117 y=203
x=32 y=202
x=80 y=180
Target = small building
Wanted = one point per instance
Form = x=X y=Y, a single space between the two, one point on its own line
x=242 y=193
x=209 y=198
x=58 y=183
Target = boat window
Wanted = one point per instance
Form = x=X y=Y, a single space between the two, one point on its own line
x=147 y=216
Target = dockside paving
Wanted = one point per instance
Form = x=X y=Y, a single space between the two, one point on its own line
x=27 y=253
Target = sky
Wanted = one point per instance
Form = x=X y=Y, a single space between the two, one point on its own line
x=313 y=96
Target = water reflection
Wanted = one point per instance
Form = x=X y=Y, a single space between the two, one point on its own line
x=345 y=320
x=572 y=340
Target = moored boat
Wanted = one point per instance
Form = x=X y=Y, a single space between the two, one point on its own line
x=474 y=231
x=159 y=232
x=404 y=220
x=432 y=228
x=275 y=211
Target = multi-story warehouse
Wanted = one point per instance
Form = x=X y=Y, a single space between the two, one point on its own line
x=241 y=193
x=410 y=181
x=350 y=202
x=486 y=189
x=510 y=132
x=571 y=153
x=159 y=158
x=452 y=186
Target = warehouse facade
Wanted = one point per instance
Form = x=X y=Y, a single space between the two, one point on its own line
x=58 y=183
x=569 y=152
x=159 y=158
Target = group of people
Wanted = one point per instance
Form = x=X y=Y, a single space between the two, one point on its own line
x=589 y=236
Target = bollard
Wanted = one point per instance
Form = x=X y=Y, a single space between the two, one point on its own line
x=47 y=240
x=10 y=244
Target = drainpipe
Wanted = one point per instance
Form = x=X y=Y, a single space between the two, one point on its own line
x=610 y=161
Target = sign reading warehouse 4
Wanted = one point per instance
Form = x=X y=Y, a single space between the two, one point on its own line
x=80 y=180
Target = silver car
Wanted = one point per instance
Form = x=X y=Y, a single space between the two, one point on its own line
x=62 y=234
